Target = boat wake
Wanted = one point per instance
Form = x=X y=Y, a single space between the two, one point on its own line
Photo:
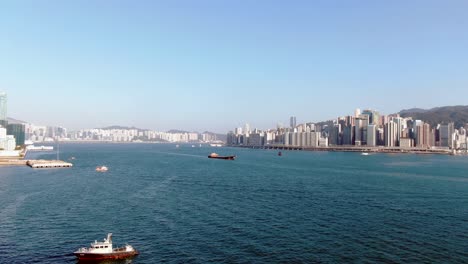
x=181 y=154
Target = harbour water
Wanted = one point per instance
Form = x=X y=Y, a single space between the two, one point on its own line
x=177 y=206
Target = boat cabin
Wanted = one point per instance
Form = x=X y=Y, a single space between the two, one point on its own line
x=102 y=247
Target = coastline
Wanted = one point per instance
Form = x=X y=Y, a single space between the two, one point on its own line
x=362 y=149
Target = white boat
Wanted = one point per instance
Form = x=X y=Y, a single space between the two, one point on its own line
x=104 y=250
x=40 y=148
x=102 y=169
x=364 y=154
x=216 y=145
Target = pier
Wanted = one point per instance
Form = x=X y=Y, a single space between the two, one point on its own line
x=12 y=162
x=42 y=164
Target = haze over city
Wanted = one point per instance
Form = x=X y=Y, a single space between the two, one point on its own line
x=214 y=65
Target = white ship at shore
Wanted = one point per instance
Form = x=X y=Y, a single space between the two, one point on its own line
x=39 y=148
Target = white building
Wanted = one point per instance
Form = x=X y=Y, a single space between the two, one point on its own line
x=7 y=142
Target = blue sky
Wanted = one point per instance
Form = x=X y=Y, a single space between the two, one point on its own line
x=214 y=65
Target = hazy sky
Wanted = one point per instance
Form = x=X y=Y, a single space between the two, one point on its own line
x=214 y=65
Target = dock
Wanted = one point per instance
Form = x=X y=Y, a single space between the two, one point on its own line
x=12 y=162
x=42 y=164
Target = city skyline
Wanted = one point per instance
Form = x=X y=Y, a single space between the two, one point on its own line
x=211 y=65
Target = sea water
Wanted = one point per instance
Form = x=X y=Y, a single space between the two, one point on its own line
x=177 y=206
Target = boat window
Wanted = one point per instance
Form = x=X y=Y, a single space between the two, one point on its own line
x=106 y=246
x=102 y=246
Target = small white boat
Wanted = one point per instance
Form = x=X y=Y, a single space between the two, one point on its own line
x=364 y=154
x=102 y=169
x=103 y=250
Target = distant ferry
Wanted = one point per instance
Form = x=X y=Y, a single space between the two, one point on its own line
x=216 y=145
x=216 y=156
x=103 y=250
x=364 y=153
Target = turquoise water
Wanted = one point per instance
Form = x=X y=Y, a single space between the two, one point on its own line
x=177 y=206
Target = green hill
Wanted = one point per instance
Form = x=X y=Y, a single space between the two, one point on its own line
x=439 y=115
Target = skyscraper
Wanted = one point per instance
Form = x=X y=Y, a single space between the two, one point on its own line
x=3 y=109
x=16 y=130
x=445 y=134
x=292 y=121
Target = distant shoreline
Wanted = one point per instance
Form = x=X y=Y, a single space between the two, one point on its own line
x=114 y=142
x=360 y=149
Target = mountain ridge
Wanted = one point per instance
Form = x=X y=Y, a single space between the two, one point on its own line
x=458 y=114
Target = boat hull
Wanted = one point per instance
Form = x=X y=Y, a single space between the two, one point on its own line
x=104 y=256
x=223 y=157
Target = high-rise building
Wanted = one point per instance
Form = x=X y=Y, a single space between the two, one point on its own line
x=360 y=129
x=445 y=135
x=247 y=129
x=3 y=109
x=374 y=117
x=17 y=130
x=424 y=137
x=292 y=121
x=357 y=112
x=391 y=132
x=371 y=135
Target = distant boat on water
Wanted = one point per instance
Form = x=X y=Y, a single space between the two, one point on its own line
x=102 y=169
x=103 y=250
x=216 y=156
x=364 y=154
x=280 y=154
x=216 y=145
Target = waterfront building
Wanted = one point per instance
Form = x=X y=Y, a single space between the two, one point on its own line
x=3 y=110
x=460 y=139
x=423 y=135
x=315 y=137
x=334 y=135
x=3 y=132
x=391 y=132
x=446 y=133
x=7 y=142
x=406 y=142
x=17 y=130
x=256 y=139
x=348 y=134
x=323 y=142
x=360 y=128
x=269 y=138
x=287 y=138
x=371 y=135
